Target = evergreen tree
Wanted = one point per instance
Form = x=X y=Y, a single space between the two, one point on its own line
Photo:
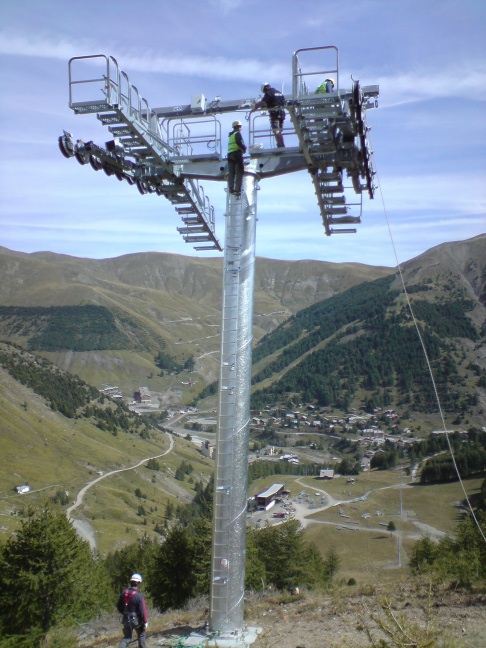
x=288 y=559
x=135 y=557
x=172 y=580
x=332 y=562
x=49 y=576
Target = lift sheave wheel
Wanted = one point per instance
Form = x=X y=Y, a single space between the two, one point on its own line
x=66 y=146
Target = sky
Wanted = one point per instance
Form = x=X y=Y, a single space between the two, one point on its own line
x=428 y=133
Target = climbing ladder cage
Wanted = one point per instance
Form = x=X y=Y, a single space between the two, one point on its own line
x=311 y=65
x=199 y=137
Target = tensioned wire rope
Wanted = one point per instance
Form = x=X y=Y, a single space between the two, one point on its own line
x=427 y=360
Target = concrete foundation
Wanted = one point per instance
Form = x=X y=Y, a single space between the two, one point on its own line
x=241 y=639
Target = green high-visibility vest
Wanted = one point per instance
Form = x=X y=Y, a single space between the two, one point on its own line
x=232 y=145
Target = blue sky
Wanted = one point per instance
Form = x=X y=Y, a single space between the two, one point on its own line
x=428 y=133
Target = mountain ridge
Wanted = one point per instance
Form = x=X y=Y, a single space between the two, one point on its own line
x=168 y=302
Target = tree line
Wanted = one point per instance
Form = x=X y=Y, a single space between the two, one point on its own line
x=50 y=579
x=70 y=395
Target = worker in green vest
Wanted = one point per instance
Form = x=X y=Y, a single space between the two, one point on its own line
x=326 y=86
x=236 y=148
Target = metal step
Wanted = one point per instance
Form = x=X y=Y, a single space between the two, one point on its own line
x=331 y=211
x=86 y=107
x=109 y=118
x=191 y=230
x=185 y=210
x=197 y=239
x=346 y=220
x=335 y=200
x=331 y=189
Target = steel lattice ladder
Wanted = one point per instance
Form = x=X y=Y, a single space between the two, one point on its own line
x=332 y=134
x=322 y=124
x=136 y=127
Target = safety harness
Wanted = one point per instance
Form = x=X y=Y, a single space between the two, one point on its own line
x=131 y=617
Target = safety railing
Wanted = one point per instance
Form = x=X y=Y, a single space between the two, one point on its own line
x=198 y=136
x=301 y=76
x=260 y=135
x=114 y=84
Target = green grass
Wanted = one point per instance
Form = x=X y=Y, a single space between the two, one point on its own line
x=53 y=453
x=371 y=552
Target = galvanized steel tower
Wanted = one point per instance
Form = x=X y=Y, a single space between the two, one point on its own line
x=165 y=151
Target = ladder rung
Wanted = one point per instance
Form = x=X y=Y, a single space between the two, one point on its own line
x=186 y=210
x=335 y=200
x=331 y=189
x=197 y=239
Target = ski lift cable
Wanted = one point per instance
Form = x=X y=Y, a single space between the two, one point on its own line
x=427 y=360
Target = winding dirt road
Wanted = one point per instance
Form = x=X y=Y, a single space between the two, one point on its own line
x=83 y=527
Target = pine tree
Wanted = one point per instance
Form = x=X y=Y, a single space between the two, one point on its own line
x=332 y=562
x=172 y=580
x=287 y=558
x=48 y=575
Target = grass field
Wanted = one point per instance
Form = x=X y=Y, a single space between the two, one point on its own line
x=367 y=550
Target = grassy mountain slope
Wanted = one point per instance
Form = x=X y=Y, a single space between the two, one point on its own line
x=155 y=301
x=56 y=454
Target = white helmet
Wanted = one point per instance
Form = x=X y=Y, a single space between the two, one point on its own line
x=236 y=123
x=136 y=578
x=331 y=80
x=264 y=85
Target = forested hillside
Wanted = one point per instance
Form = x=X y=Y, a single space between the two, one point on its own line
x=58 y=434
x=361 y=348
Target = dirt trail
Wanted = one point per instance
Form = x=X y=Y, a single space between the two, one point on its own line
x=83 y=527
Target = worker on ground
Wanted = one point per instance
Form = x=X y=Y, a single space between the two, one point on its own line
x=236 y=148
x=326 y=86
x=274 y=102
x=131 y=604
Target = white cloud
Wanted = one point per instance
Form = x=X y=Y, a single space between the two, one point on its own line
x=459 y=193
x=458 y=82
x=214 y=67
x=226 y=6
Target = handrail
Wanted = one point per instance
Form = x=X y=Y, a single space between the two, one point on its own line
x=299 y=87
x=124 y=100
x=191 y=140
x=103 y=79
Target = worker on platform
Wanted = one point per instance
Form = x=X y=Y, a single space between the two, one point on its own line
x=273 y=101
x=326 y=87
x=236 y=148
x=131 y=605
